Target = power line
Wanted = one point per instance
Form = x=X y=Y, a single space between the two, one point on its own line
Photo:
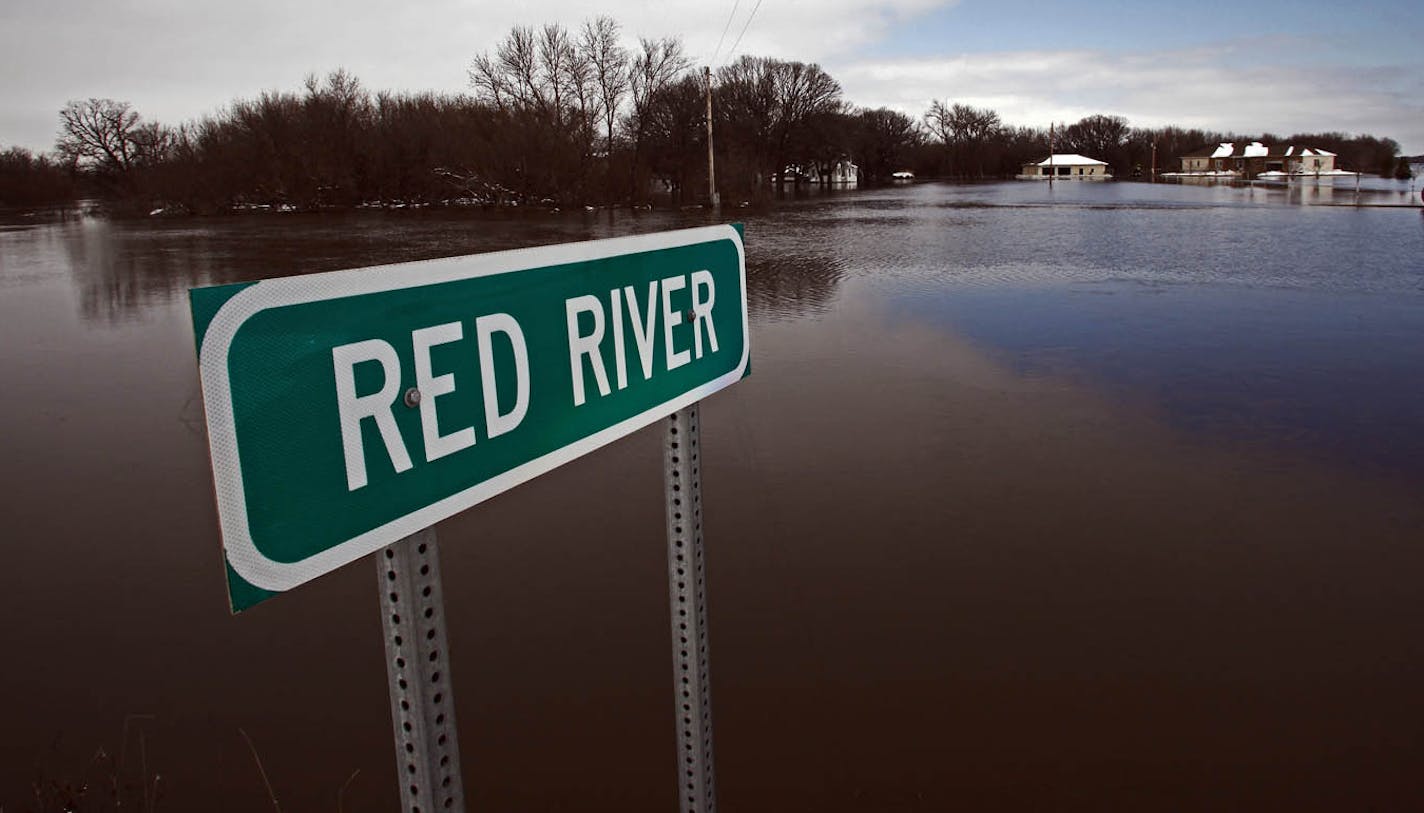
x=723 y=38
x=750 y=17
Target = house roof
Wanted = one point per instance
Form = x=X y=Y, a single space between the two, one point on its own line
x=1070 y=160
x=1255 y=149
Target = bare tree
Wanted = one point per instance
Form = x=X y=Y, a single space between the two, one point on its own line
x=101 y=134
x=27 y=179
x=336 y=116
x=1097 y=136
x=557 y=82
x=809 y=128
x=654 y=68
x=507 y=78
x=657 y=64
x=883 y=139
x=773 y=106
x=545 y=86
x=608 y=63
x=537 y=72
x=676 y=136
x=964 y=131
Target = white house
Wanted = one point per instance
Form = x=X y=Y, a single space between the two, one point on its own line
x=1070 y=166
x=843 y=173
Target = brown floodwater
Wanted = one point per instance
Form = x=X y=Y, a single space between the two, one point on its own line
x=1097 y=498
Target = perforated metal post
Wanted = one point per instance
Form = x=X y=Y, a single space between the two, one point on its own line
x=687 y=587
x=418 y=664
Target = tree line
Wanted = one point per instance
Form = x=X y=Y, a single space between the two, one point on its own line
x=559 y=117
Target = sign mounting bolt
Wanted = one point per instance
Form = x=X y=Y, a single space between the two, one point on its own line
x=412 y=397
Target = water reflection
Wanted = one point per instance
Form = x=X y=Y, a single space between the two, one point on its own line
x=793 y=286
x=1365 y=191
x=120 y=272
x=967 y=231
x=122 y=269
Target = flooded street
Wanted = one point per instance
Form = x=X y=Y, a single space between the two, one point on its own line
x=1099 y=496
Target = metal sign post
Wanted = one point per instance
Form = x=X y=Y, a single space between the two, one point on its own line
x=687 y=590
x=418 y=666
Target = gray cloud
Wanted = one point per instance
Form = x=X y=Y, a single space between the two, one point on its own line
x=177 y=60
x=1208 y=87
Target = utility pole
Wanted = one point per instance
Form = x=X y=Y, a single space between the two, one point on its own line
x=1051 y=170
x=711 y=170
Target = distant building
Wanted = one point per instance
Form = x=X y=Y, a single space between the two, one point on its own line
x=840 y=173
x=1069 y=166
x=844 y=173
x=1256 y=160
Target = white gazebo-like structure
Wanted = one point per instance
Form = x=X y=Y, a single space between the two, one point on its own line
x=1064 y=167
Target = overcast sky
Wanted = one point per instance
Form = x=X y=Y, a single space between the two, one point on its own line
x=1265 y=65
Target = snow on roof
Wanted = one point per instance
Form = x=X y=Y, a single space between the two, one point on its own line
x=1071 y=159
x=1258 y=150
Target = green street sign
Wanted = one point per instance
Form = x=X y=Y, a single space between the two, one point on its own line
x=348 y=410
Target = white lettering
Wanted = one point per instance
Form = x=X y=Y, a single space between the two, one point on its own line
x=580 y=346
x=620 y=362
x=353 y=408
x=671 y=319
x=485 y=327
x=643 y=330
x=432 y=387
x=702 y=311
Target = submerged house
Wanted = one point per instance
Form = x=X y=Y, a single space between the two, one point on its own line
x=842 y=172
x=1070 y=166
x=1257 y=160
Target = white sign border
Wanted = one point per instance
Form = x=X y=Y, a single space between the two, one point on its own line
x=274 y=576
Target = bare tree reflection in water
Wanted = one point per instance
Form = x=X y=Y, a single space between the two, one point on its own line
x=121 y=272
x=121 y=269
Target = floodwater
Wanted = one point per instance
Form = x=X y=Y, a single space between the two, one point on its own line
x=1092 y=497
